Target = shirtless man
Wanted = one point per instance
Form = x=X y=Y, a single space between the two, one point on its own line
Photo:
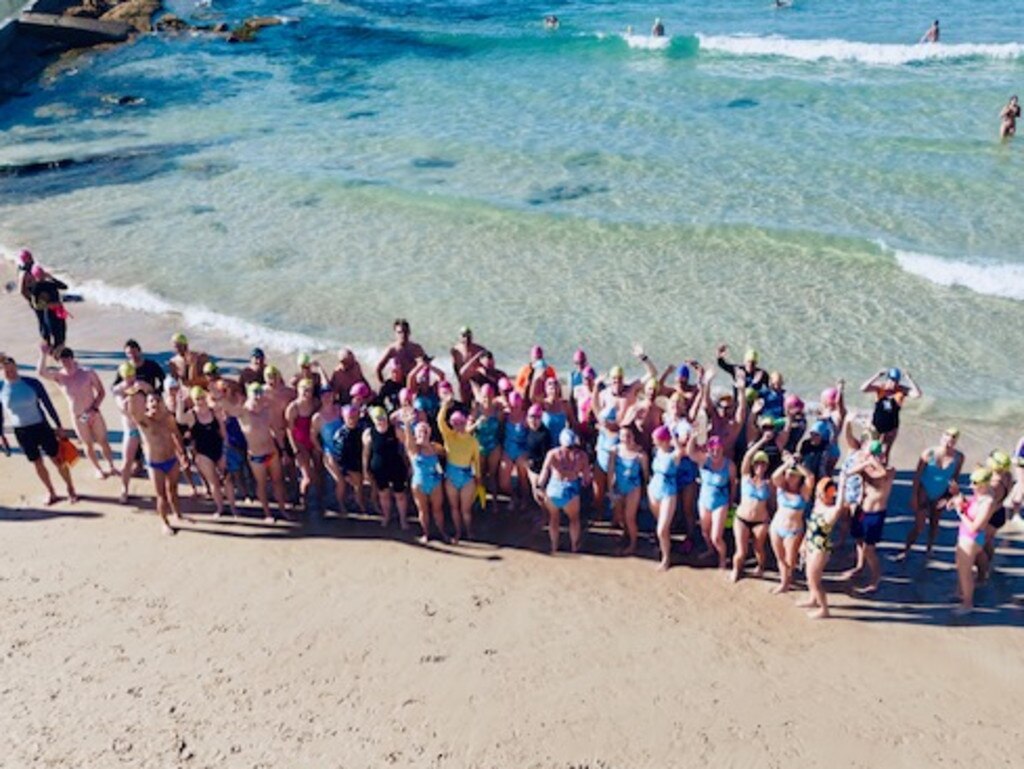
x=277 y=396
x=932 y=35
x=347 y=373
x=868 y=524
x=187 y=365
x=461 y=352
x=84 y=392
x=165 y=453
x=403 y=349
x=254 y=370
x=256 y=418
x=128 y=381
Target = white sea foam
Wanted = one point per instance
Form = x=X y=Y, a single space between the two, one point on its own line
x=982 y=276
x=647 y=42
x=846 y=50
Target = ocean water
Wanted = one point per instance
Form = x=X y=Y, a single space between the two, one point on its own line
x=808 y=181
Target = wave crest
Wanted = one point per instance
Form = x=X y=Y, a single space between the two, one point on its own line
x=982 y=276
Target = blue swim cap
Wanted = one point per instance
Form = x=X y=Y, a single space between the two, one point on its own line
x=567 y=438
x=420 y=404
x=683 y=372
x=895 y=374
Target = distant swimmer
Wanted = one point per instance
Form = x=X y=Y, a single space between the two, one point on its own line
x=658 y=30
x=551 y=21
x=932 y=35
x=783 y=3
x=1008 y=118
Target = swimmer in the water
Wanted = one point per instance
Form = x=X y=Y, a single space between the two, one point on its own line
x=551 y=21
x=658 y=30
x=1008 y=118
x=932 y=35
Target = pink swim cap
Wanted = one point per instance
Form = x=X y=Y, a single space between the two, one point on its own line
x=24 y=256
x=515 y=400
x=458 y=419
x=359 y=390
x=536 y=410
x=829 y=396
x=589 y=373
x=444 y=385
x=488 y=390
x=579 y=356
x=661 y=434
x=347 y=411
x=536 y=351
x=714 y=442
x=792 y=401
x=36 y=271
x=404 y=396
x=504 y=385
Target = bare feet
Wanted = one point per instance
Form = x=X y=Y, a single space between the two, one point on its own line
x=810 y=603
x=759 y=571
x=663 y=565
x=779 y=589
x=72 y=498
x=423 y=539
x=169 y=530
x=735 y=576
x=123 y=499
x=868 y=589
x=52 y=500
x=820 y=613
x=100 y=475
x=849 y=574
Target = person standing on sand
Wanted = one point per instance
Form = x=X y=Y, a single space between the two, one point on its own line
x=793 y=488
x=145 y=369
x=974 y=516
x=132 y=439
x=204 y=420
x=462 y=351
x=187 y=365
x=937 y=469
x=23 y=401
x=346 y=374
x=84 y=392
x=299 y=417
x=876 y=477
x=752 y=516
x=45 y=293
x=932 y=34
x=255 y=418
x=403 y=349
x=25 y=283
x=889 y=397
x=427 y=479
x=565 y=471
x=165 y=452
x=386 y=463
x=818 y=546
x=255 y=369
x=462 y=471
x=999 y=463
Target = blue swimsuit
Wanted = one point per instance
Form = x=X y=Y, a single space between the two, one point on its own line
x=458 y=475
x=560 y=492
x=750 y=490
x=555 y=421
x=426 y=473
x=664 y=471
x=714 y=487
x=627 y=474
x=327 y=431
x=792 y=502
x=515 y=440
x=486 y=433
x=606 y=442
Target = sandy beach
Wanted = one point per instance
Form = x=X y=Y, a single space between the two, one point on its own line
x=238 y=644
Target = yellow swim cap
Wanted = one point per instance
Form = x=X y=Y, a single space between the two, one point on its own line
x=751 y=356
x=999 y=460
x=197 y=394
x=272 y=370
x=210 y=367
x=126 y=370
x=981 y=476
x=616 y=372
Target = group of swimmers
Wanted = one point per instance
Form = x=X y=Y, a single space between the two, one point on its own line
x=751 y=455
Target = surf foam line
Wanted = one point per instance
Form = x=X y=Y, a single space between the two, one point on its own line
x=863 y=53
x=982 y=276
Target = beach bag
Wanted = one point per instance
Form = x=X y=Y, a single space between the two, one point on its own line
x=60 y=312
x=67 y=452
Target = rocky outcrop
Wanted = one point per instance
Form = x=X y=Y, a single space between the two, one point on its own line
x=138 y=13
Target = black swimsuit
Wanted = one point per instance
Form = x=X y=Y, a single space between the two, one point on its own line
x=207 y=439
x=386 y=464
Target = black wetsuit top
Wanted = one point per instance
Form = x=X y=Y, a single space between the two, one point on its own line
x=538 y=444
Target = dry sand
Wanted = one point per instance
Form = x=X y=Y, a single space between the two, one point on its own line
x=237 y=644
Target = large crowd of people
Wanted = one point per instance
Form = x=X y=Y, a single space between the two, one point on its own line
x=693 y=458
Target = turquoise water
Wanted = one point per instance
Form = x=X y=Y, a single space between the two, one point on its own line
x=806 y=180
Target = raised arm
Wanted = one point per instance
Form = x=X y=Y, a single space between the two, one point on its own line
x=871 y=384
x=467 y=366
x=729 y=368
x=913 y=390
x=42 y=370
x=645 y=361
x=851 y=440
x=748 y=458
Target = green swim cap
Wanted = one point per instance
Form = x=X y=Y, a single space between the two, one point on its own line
x=981 y=476
x=750 y=356
x=378 y=413
x=751 y=396
x=999 y=460
x=875 y=447
x=254 y=388
x=126 y=370
x=179 y=338
x=304 y=359
x=210 y=367
x=197 y=394
x=272 y=370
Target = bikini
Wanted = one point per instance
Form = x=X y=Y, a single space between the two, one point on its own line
x=759 y=492
x=794 y=503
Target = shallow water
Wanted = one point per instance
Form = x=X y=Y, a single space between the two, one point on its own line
x=808 y=181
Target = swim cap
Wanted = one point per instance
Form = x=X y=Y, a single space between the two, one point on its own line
x=751 y=395
x=24 y=256
x=37 y=271
x=487 y=390
x=303 y=359
x=172 y=383
x=819 y=428
x=348 y=411
x=661 y=434
x=359 y=390
x=515 y=400
x=254 y=388
x=444 y=385
x=536 y=410
x=504 y=385
x=566 y=438
x=999 y=460
x=714 y=442
x=457 y=419
x=894 y=374
x=579 y=356
x=953 y=432
x=257 y=352
x=792 y=401
x=272 y=370
x=766 y=422
x=405 y=395
x=197 y=394
x=981 y=476
x=750 y=356
x=126 y=370
x=179 y=338
x=536 y=351
x=875 y=447
x=419 y=403
x=465 y=331
x=829 y=396
x=616 y=372
x=377 y=413
x=759 y=458
x=305 y=384
x=589 y=373
x=683 y=373
x=724 y=398
x=210 y=367
x=683 y=429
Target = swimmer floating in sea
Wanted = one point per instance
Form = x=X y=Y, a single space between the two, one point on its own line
x=1008 y=118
